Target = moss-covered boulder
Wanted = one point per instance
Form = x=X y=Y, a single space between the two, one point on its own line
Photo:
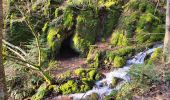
x=109 y=57
x=119 y=61
x=156 y=56
x=93 y=57
x=84 y=88
x=149 y=28
x=111 y=21
x=54 y=39
x=93 y=96
x=69 y=87
x=141 y=21
x=126 y=51
x=114 y=82
x=119 y=39
x=80 y=72
x=86 y=31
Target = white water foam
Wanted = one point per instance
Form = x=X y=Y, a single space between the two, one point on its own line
x=122 y=73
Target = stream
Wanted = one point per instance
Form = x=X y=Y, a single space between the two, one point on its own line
x=121 y=73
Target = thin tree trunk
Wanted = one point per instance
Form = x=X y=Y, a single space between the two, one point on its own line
x=3 y=93
x=167 y=34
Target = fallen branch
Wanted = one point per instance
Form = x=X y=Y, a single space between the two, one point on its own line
x=30 y=64
x=13 y=46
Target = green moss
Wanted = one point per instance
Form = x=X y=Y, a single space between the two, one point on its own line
x=119 y=39
x=92 y=74
x=115 y=38
x=67 y=18
x=149 y=28
x=93 y=96
x=142 y=20
x=128 y=23
x=146 y=20
x=69 y=87
x=88 y=81
x=119 y=61
x=93 y=58
x=114 y=82
x=80 y=72
x=58 y=12
x=108 y=4
x=143 y=6
x=125 y=51
x=44 y=29
x=98 y=76
x=54 y=39
x=123 y=41
x=95 y=61
x=141 y=38
x=109 y=57
x=156 y=56
x=111 y=21
x=86 y=30
x=84 y=88
x=42 y=91
x=90 y=77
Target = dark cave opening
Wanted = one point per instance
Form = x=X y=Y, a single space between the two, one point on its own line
x=66 y=51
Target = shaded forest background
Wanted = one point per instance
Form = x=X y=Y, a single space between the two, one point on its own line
x=103 y=34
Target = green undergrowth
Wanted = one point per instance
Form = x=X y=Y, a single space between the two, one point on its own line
x=87 y=78
x=140 y=22
x=142 y=77
x=97 y=58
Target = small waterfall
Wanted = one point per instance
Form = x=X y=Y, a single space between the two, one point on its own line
x=102 y=87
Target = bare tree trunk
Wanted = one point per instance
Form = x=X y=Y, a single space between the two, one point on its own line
x=167 y=34
x=3 y=93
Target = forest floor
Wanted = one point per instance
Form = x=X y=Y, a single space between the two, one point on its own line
x=71 y=63
x=159 y=92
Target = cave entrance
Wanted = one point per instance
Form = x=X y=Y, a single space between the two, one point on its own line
x=66 y=51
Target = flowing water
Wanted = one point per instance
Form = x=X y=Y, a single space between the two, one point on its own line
x=121 y=73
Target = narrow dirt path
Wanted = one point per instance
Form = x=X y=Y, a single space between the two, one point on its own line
x=68 y=65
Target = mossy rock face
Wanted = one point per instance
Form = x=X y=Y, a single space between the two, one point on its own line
x=84 y=88
x=54 y=39
x=156 y=56
x=109 y=57
x=80 y=72
x=149 y=28
x=126 y=51
x=69 y=87
x=119 y=39
x=93 y=57
x=128 y=22
x=92 y=74
x=88 y=76
x=86 y=31
x=119 y=61
x=111 y=21
x=142 y=22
